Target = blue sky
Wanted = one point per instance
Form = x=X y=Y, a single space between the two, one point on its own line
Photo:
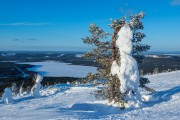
x=60 y=24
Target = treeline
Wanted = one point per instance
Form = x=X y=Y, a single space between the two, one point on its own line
x=28 y=82
x=162 y=64
x=9 y=69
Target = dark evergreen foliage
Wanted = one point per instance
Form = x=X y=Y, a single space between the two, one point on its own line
x=105 y=51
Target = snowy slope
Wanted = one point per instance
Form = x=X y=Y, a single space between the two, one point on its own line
x=66 y=102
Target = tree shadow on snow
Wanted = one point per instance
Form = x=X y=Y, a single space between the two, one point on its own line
x=91 y=110
x=97 y=111
x=162 y=96
x=23 y=99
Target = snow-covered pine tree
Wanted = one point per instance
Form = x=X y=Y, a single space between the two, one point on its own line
x=138 y=48
x=105 y=52
x=7 y=96
x=21 y=90
x=36 y=88
x=14 y=89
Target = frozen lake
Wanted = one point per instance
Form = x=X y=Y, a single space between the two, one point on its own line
x=58 y=69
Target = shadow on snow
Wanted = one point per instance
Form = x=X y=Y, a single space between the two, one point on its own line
x=96 y=111
x=90 y=110
x=162 y=96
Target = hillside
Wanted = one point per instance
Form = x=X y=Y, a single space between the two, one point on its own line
x=66 y=102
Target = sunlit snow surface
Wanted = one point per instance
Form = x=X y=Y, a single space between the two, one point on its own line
x=64 y=102
x=58 y=69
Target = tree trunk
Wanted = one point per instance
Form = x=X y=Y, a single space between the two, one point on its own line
x=114 y=86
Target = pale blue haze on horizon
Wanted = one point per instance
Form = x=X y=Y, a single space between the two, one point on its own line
x=60 y=24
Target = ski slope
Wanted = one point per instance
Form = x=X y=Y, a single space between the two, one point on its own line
x=65 y=102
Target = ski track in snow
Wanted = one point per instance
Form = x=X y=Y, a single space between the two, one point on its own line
x=80 y=103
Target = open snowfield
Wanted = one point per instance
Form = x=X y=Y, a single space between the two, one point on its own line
x=66 y=102
x=58 y=69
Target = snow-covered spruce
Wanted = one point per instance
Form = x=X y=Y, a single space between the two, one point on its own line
x=127 y=71
x=21 y=90
x=14 y=89
x=36 y=88
x=7 y=96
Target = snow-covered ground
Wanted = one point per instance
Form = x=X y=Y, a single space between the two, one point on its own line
x=173 y=54
x=158 y=56
x=8 y=54
x=58 y=69
x=79 y=55
x=66 y=102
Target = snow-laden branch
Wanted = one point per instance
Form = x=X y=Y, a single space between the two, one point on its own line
x=127 y=71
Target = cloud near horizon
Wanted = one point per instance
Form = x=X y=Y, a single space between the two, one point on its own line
x=32 y=39
x=16 y=39
x=24 y=24
x=20 y=40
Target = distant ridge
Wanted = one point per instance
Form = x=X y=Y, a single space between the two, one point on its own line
x=81 y=52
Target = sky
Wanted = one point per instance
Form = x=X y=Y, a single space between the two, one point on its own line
x=60 y=24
